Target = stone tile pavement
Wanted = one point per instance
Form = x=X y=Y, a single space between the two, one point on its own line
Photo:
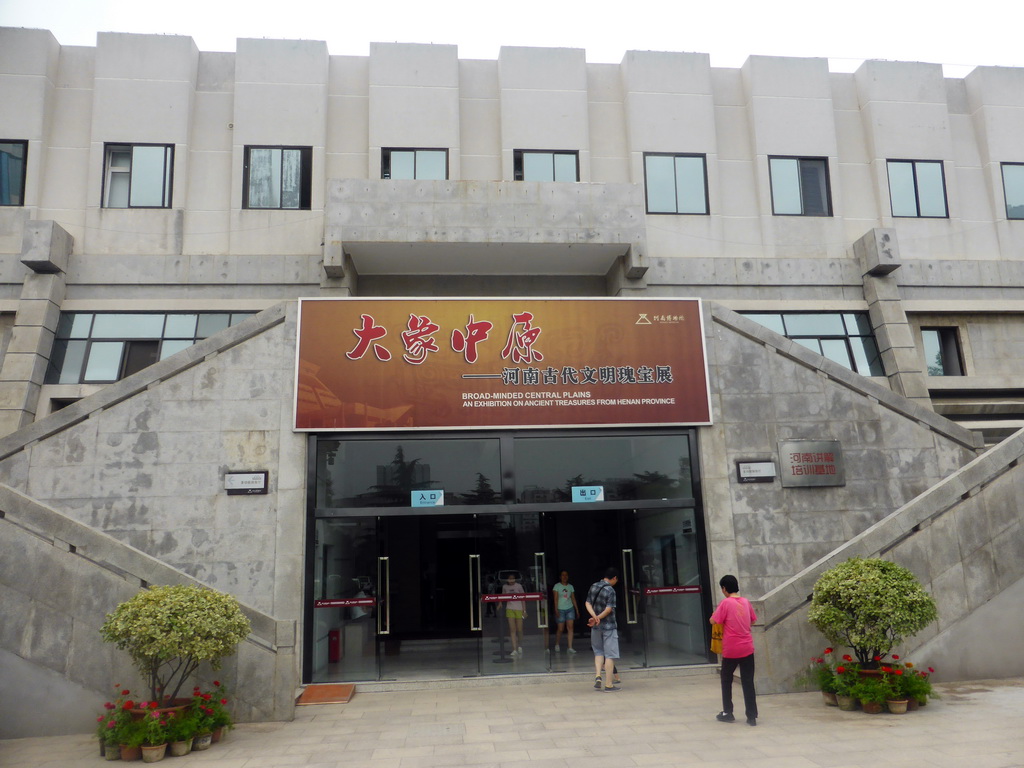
x=652 y=721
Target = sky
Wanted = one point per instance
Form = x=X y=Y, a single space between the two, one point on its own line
x=956 y=35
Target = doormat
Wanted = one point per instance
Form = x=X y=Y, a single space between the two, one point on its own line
x=337 y=693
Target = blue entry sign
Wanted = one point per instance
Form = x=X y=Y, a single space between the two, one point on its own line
x=583 y=494
x=428 y=498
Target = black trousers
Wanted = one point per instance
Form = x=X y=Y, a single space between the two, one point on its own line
x=746 y=665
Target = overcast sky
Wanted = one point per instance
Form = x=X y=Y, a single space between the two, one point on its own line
x=960 y=36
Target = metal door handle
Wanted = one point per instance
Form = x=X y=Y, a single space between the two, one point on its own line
x=630 y=586
x=383 y=596
x=475 y=594
x=542 y=605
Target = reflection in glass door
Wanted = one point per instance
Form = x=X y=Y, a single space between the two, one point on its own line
x=665 y=568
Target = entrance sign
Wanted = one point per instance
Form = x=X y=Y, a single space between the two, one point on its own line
x=816 y=463
x=582 y=494
x=427 y=498
x=506 y=363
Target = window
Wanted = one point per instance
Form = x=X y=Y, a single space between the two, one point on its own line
x=429 y=164
x=1013 y=189
x=277 y=177
x=917 y=188
x=843 y=337
x=800 y=186
x=12 y=172
x=95 y=348
x=530 y=165
x=942 y=352
x=138 y=176
x=676 y=183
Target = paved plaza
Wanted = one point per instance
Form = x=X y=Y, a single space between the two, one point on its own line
x=652 y=721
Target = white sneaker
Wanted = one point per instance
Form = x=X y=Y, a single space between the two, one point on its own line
x=512 y=653
x=572 y=650
x=558 y=649
x=520 y=651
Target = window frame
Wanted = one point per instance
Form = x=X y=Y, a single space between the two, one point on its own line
x=19 y=194
x=385 y=161
x=853 y=323
x=675 y=176
x=949 y=350
x=518 y=155
x=917 y=188
x=800 y=160
x=305 y=177
x=1006 y=200
x=110 y=171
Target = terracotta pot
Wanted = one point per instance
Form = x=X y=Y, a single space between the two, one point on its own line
x=912 y=705
x=871 y=707
x=153 y=754
x=131 y=753
x=217 y=734
x=898 y=706
x=829 y=698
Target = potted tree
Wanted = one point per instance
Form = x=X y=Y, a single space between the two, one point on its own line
x=870 y=605
x=169 y=630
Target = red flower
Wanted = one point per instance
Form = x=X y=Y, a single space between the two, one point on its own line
x=887 y=669
x=840 y=670
x=108 y=705
x=207 y=696
x=154 y=704
x=195 y=691
x=224 y=701
x=111 y=724
x=930 y=669
x=128 y=705
x=99 y=719
x=899 y=671
x=828 y=650
x=217 y=683
x=847 y=657
x=125 y=693
x=877 y=658
x=895 y=657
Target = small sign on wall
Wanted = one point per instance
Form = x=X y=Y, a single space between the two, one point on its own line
x=811 y=463
x=428 y=498
x=246 y=483
x=755 y=471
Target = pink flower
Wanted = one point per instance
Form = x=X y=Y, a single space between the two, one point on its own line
x=111 y=724
x=99 y=719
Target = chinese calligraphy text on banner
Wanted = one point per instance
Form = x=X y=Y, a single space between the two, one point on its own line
x=485 y=363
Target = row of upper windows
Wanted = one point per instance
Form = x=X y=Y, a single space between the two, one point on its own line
x=140 y=176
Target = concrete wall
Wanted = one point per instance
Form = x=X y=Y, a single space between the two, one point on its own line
x=962 y=538
x=766 y=388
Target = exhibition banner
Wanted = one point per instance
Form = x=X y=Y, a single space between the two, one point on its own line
x=499 y=363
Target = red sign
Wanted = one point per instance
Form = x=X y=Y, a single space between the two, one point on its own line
x=511 y=597
x=346 y=602
x=485 y=363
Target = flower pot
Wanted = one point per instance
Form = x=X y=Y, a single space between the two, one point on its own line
x=217 y=735
x=829 y=699
x=153 y=754
x=181 y=748
x=202 y=741
x=846 y=703
x=897 y=706
x=912 y=705
x=871 y=707
x=131 y=753
x=111 y=752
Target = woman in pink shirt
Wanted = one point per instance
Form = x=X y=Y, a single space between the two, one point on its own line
x=735 y=614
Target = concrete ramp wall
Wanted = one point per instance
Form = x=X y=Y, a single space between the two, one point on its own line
x=963 y=539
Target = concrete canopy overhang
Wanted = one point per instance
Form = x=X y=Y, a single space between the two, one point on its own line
x=392 y=227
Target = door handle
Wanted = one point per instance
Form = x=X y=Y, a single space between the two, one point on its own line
x=383 y=596
x=539 y=566
x=475 y=594
x=630 y=586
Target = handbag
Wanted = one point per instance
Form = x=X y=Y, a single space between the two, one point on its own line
x=716 y=637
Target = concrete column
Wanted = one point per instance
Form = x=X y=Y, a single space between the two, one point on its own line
x=45 y=250
x=878 y=252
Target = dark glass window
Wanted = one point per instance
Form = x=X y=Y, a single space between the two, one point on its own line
x=428 y=164
x=277 y=178
x=917 y=188
x=12 y=172
x=800 y=186
x=676 y=183
x=385 y=473
x=843 y=337
x=95 y=348
x=138 y=175
x=536 y=165
x=626 y=467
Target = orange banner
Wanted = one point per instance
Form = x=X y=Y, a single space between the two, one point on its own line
x=493 y=363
